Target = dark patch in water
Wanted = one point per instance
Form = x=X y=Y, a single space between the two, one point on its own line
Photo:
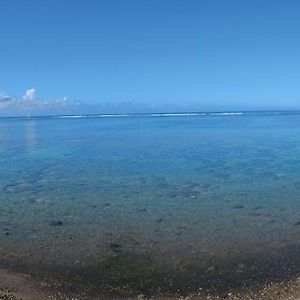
x=238 y=206
x=14 y=188
x=56 y=223
x=31 y=200
x=297 y=184
x=181 y=227
x=117 y=248
x=142 y=209
x=188 y=190
x=255 y=214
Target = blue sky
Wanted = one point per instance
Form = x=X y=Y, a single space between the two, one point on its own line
x=114 y=55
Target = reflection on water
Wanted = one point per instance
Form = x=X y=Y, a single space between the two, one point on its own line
x=154 y=204
x=30 y=135
x=3 y=135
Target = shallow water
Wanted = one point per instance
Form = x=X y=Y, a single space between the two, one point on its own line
x=152 y=204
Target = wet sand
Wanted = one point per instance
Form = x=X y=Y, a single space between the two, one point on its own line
x=17 y=286
x=125 y=276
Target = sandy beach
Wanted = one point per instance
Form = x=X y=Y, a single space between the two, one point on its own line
x=16 y=286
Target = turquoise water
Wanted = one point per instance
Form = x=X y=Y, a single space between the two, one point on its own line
x=152 y=203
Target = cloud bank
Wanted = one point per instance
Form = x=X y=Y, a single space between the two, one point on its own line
x=30 y=104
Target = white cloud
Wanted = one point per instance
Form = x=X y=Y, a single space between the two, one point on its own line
x=4 y=100
x=4 y=97
x=30 y=95
x=29 y=103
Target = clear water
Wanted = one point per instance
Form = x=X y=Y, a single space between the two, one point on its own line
x=152 y=204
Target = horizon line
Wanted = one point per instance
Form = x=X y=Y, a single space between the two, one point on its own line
x=157 y=114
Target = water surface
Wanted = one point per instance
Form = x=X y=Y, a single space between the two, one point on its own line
x=152 y=203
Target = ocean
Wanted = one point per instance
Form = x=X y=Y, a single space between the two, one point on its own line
x=152 y=204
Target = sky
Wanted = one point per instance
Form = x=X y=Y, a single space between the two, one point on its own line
x=84 y=56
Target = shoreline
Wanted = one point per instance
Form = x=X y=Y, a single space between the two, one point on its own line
x=15 y=286
x=20 y=286
x=129 y=276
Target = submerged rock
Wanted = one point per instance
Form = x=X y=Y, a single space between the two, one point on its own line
x=181 y=227
x=238 y=206
x=56 y=223
x=31 y=200
x=6 y=231
x=117 y=248
x=142 y=210
x=255 y=214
